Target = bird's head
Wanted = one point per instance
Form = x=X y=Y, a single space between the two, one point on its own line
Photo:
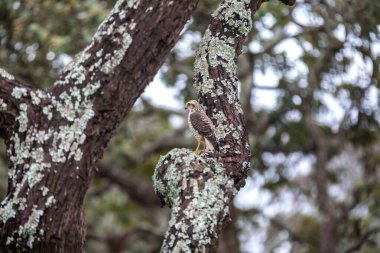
x=193 y=104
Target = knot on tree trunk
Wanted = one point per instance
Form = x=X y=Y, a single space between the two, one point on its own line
x=198 y=189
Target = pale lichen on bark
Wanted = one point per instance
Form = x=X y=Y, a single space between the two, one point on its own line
x=219 y=51
x=6 y=75
x=29 y=229
x=200 y=188
x=3 y=105
x=195 y=187
x=72 y=107
x=48 y=131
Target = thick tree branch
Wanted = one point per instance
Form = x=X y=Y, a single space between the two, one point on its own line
x=289 y=2
x=200 y=188
x=228 y=241
x=116 y=67
x=117 y=243
x=61 y=132
x=138 y=191
x=196 y=188
x=362 y=240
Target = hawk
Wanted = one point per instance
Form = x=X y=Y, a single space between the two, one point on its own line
x=201 y=127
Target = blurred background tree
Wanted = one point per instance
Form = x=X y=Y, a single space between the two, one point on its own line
x=310 y=91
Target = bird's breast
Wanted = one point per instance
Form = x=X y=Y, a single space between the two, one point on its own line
x=192 y=129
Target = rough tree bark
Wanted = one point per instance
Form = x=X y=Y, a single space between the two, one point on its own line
x=54 y=137
x=200 y=188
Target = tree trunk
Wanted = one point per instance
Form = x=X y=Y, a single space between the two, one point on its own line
x=228 y=240
x=200 y=188
x=54 y=137
x=328 y=230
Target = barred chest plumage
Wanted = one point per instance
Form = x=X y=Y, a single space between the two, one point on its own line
x=197 y=136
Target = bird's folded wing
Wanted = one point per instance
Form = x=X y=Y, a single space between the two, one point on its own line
x=202 y=124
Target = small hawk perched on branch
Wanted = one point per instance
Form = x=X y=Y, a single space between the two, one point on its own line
x=201 y=127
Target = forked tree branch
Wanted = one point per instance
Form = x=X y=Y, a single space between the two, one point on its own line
x=200 y=188
x=60 y=133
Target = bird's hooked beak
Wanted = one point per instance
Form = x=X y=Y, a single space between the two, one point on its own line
x=186 y=106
